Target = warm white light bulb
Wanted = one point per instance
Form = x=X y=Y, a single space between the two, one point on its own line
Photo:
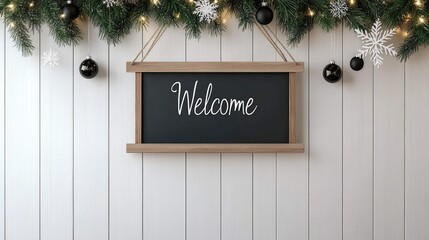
x=418 y=3
x=11 y=7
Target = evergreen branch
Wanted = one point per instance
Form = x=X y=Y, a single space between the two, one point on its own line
x=65 y=33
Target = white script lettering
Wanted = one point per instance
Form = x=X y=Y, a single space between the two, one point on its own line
x=217 y=106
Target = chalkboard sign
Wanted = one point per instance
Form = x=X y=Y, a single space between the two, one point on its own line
x=215 y=107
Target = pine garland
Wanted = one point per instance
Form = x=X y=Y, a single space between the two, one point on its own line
x=295 y=18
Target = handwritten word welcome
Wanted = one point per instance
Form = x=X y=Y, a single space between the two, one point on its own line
x=205 y=106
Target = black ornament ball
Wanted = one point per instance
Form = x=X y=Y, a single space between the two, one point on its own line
x=332 y=72
x=356 y=63
x=88 y=68
x=264 y=14
x=70 y=11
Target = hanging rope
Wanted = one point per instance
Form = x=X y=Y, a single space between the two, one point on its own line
x=273 y=40
x=268 y=34
x=152 y=41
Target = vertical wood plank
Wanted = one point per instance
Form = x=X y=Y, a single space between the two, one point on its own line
x=91 y=140
x=358 y=144
x=236 y=187
x=164 y=174
x=203 y=170
x=164 y=196
x=236 y=196
x=292 y=169
x=236 y=44
x=262 y=49
x=164 y=50
x=264 y=185
x=2 y=124
x=264 y=196
x=206 y=48
x=389 y=150
x=325 y=138
x=203 y=196
x=56 y=143
x=125 y=169
x=22 y=119
x=416 y=149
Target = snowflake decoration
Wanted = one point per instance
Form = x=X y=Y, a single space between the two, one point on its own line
x=111 y=3
x=339 y=8
x=206 y=10
x=50 y=58
x=374 y=43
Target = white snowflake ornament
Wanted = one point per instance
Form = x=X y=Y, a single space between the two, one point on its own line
x=206 y=10
x=374 y=43
x=50 y=58
x=339 y=8
x=111 y=3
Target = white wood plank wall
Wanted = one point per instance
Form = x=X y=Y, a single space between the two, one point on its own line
x=64 y=173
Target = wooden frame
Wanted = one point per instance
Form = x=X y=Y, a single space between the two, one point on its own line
x=145 y=67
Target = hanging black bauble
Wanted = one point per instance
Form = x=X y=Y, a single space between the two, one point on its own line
x=88 y=68
x=356 y=63
x=332 y=72
x=264 y=15
x=70 y=11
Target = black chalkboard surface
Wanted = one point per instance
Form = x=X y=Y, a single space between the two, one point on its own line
x=231 y=107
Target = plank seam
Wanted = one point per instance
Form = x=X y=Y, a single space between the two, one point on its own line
x=73 y=145
x=186 y=195
x=342 y=132
x=108 y=143
x=308 y=135
x=253 y=186
x=405 y=149
x=373 y=153
x=142 y=157
x=186 y=162
x=40 y=137
x=276 y=199
x=220 y=196
x=4 y=137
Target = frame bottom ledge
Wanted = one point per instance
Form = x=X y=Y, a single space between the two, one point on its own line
x=215 y=148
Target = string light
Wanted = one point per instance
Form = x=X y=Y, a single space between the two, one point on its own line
x=191 y=1
x=178 y=15
x=405 y=34
x=223 y=20
x=142 y=19
x=31 y=4
x=421 y=20
x=215 y=1
x=352 y=2
x=155 y=2
x=62 y=16
x=11 y=25
x=310 y=12
x=407 y=17
x=418 y=3
x=11 y=7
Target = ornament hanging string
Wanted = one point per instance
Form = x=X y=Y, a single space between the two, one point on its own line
x=89 y=39
x=333 y=43
x=152 y=41
x=272 y=38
